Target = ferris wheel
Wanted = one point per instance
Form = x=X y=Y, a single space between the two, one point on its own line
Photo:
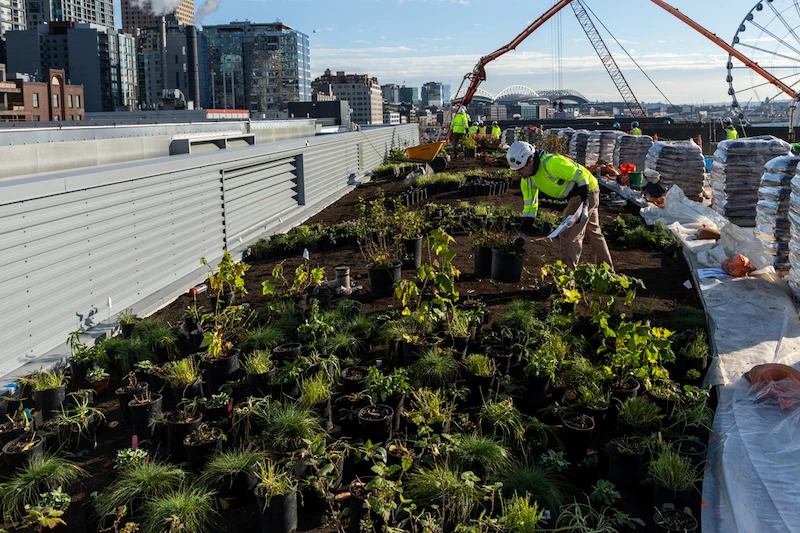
x=770 y=36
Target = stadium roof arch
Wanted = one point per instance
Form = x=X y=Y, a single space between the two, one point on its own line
x=564 y=95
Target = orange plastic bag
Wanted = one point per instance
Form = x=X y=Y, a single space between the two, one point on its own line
x=738 y=266
x=773 y=380
x=708 y=233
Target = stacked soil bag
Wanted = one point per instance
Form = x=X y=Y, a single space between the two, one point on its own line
x=679 y=163
x=600 y=146
x=632 y=149
x=772 y=210
x=577 y=146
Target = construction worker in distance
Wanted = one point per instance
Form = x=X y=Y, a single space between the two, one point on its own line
x=727 y=123
x=496 y=130
x=617 y=126
x=561 y=178
x=635 y=128
x=459 y=126
x=473 y=130
x=481 y=128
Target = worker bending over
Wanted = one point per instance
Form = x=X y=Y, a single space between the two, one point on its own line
x=727 y=123
x=481 y=128
x=635 y=130
x=474 y=128
x=459 y=126
x=561 y=178
x=496 y=130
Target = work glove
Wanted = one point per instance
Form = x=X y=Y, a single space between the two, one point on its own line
x=519 y=242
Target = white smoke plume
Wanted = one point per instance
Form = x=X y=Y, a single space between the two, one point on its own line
x=208 y=7
x=158 y=7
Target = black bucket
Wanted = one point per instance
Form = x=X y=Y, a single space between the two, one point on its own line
x=624 y=469
x=412 y=253
x=506 y=268
x=576 y=439
x=124 y=396
x=199 y=454
x=382 y=279
x=280 y=514
x=259 y=383
x=176 y=433
x=220 y=371
x=141 y=414
x=49 y=401
x=483 y=261
x=376 y=428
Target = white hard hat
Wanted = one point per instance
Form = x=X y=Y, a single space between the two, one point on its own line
x=518 y=154
x=494 y=123
x=727 y=120
x=651 y=175
x=462 y=109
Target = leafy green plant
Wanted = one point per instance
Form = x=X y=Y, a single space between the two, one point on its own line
x=502 y=417
x=596 y=286
x=126 y=317
x=480 y=454
x=315 y=390
x=435 y=368
x=639 y=411
x=481 y=365
x=139 y=483
x=555 y=460
x=378 y=244
x=305 y=277
x=81 y=353
x=273 y=480
x=520 y=515
x=191 y=508
x=604 y=493
x=258 y=362
x=156 y=335
x=697 y=347
x=541 y=363
x=673 y=471
x=384 y=386
x=25 y=484
x=130 y=457
x=456 y=494
x=288 y=425
x=636 y=350
x=96 y=374
x=229 y=277
x=593 y=396
x=430 y=407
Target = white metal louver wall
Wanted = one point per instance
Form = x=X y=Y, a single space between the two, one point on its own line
x=70 y=241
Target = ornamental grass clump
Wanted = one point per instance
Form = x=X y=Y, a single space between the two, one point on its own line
x=434 y=368
x=182 y=509
x=673 y=471
x=481 y=365
x=639 y=412
x=137 y=484
x=483 y=455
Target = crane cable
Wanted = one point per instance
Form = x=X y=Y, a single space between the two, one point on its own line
x=635 y=63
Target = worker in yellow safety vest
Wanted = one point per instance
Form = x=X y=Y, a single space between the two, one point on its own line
x=561 y=178
x=481 y=128
x=495 y=130
x=473 y=130
x=635 y=130
x=459 y=126
x=730 y=129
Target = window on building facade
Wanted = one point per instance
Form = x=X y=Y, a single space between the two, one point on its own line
x=57 y=117
x=36 y=118
x=77 y=100
x=69 y=100
x=55 y=101
x=35 y=99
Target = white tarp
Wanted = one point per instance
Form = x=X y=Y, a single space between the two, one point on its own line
x=753 y=459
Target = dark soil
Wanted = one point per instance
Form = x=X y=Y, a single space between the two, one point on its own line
x=22 y=446
x=355 y=374
x=130 y=388
x=375 y=412
x=579 y=422
x=677 y=520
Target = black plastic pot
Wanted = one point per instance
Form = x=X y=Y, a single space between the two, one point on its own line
x=355 y=379
x=679 y=498
x=224 y=301
x=624 y=470
x=324 y=411
x=200 y=453
x=382 y=279
x=412 y=351
x=376 y=423
x=279 y=391
x=412 y=253
x=506 y=268
x=142 y=413
x=479 y=387
x=280 y=514
x=483 y=261
x=459 y=344
x=684 y=523
x=176 y=433
x=125 y=395
x=78 y=372
x=242 y=486
x=576 y=434
x=259 y=383
x=49 y=401
x=189 y=392
x=214 y=414
x=536 y=396
x=357 y=508
x=625 y=428
x=7 y=435
x=693 y=449
x=14 y=460
x=502 y=356
x=79 y=439
x=287 y=352
x=667 y=406
x=220 y=371
x=397 y=403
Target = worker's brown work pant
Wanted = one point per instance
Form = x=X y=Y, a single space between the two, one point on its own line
x=572 y=238
x=458 y=138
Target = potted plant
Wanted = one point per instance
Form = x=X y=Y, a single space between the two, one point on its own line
x=507 y=262
x=315 y=392
x=276 y=494
x=217 y=407
x=501 y=418
x=49 y=390
x=481 y=371
x=457 y=329
x=376 y=423
x=594 y=401
x=26 y=447
x=234 y=472
x=539 y=372
x=665 y=394
x=389 y=389
x=77 y=427
x=305 y=279
x=480 y=454
x=432 y=409
x=144 y=407
x=259 y=368
x=694 y=417
x=482 y=242
x=126 y=320
x=186 y=508
x=82 y=357
x=674 y=521
x=695 y=354
x=221 y=360
x=398 y=451
x=126 y=393
x=625 y=461
x=408 y=229
x=434 y=369
x=470 y=146
x=183 y=376
x=201 y=444
x=378 y=246
x=287 y=352
x=288 y=426
x=138 y=483
x=47 y=512
x=638 y=416
x=180 y=423
x=98 y=380
x=576 y=434
x=355 y=379
x=24 y=487
x=20 y=421
x=158 y=337
x=228 y=279
x=691 y=448
x=674 y=477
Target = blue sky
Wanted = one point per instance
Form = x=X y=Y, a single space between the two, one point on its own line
x=414 y=41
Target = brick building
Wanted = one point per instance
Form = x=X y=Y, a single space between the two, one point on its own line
x=53 y=99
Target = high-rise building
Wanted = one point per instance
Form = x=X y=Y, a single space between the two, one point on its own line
x=102 y=60
x=99 y=12
x=446 y=94
x=168 y=62
x=409 y=95
x=12 y=15
x=391 y=92
x=362 y=92
x=259 y=67
x=431 y=94
x=139 y=15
